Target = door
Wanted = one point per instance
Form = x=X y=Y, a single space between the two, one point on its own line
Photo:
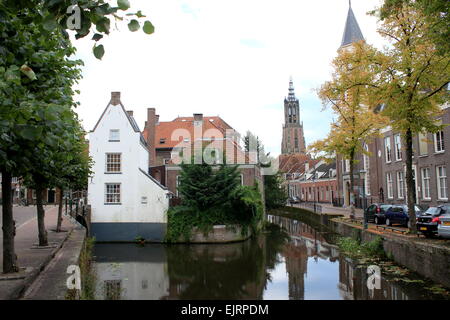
x=51 y=196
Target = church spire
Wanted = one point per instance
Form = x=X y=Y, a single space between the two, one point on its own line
x=291 y=96
x=352 y=32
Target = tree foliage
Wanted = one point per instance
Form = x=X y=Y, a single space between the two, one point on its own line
x=95 y=16
x=411 y=77
x=275 y=194
x=348 y=95
x=213 y=195
x=436 y=14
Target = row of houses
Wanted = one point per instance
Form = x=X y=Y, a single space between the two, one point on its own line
x=20 y=194
x=379 y=175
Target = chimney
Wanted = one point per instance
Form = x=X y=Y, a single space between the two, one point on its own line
x=157 y=119
x=306 y=166
x=198 y=116
x=151 y=133
x=130 y=113
x=115 y=98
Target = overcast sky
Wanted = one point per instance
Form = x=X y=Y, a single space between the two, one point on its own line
x=229 y=58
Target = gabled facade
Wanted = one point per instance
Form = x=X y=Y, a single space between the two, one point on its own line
x=126 y=202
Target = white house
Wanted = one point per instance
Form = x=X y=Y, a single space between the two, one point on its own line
x=126 y=202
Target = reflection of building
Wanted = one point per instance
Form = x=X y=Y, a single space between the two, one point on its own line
x=296 y=257
x=128 y=272
x=353 y=284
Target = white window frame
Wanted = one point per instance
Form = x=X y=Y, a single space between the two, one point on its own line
x=400 y=185
x=109 y=164
x=389 y=185
x=439 y=145
x=114 y=200
x=426 y=183
x=423 y=144
x=398 y=147
x=439 y=185
x=387 y=149
x=114 y=135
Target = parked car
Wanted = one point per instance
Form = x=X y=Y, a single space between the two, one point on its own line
x=444 y=226
x=398 y=214
x=375 y=212
x=427 y=222
x=294 y=199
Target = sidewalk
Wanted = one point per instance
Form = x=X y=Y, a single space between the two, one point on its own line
x=31 y=259
x=330 y=209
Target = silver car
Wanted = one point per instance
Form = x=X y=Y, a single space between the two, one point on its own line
x=444 y=226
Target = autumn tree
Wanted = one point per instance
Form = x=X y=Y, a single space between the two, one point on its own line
x=411 y=77
x=347 y=93
x=436 y=14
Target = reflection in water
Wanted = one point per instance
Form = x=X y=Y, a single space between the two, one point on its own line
x=291 y=260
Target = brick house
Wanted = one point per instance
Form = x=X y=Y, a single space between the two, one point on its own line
x=384 y=179
x=172 y=141
x=313 y=181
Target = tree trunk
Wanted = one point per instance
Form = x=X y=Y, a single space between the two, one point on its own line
x=8 y=227
x=410 y=186
x=352 y=187
x=41 y=216
x=60 y=208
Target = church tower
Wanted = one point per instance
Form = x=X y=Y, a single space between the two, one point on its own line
x=293 y=138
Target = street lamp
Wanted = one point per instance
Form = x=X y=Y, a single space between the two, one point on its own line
x=362 y=176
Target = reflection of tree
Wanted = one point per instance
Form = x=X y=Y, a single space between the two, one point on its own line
x=231 y=271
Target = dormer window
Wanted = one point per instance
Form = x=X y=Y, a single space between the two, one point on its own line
x=114 y=135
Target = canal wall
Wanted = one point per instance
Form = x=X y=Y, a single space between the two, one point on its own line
x=218 y=234
x=427 y=258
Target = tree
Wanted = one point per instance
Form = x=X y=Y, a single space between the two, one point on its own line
x=348 y=96
x=31 y=101
x=436 y=14
x=80 y=16
x=274 y=191
x=411 y=77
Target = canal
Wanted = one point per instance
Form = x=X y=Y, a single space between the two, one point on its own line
x=291 y=260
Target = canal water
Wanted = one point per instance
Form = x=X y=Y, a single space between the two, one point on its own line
x=292 y=260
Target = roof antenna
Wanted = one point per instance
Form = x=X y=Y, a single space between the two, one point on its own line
x=350 y=3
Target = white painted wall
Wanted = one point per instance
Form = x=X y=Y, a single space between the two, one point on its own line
x=135 y=184
x=138 y=280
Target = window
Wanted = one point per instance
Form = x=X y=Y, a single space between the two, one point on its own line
x=398 y=147
x=242 y=179
x=442 y=182
x=426 y=183
x=114 y=135
x=347 y=165
x=439 y=141
x=387 y=148
x=423 y=144
x=389 y=185
x=177 y=185
x=400 y=185
x=112 y=193
x=113 y=162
